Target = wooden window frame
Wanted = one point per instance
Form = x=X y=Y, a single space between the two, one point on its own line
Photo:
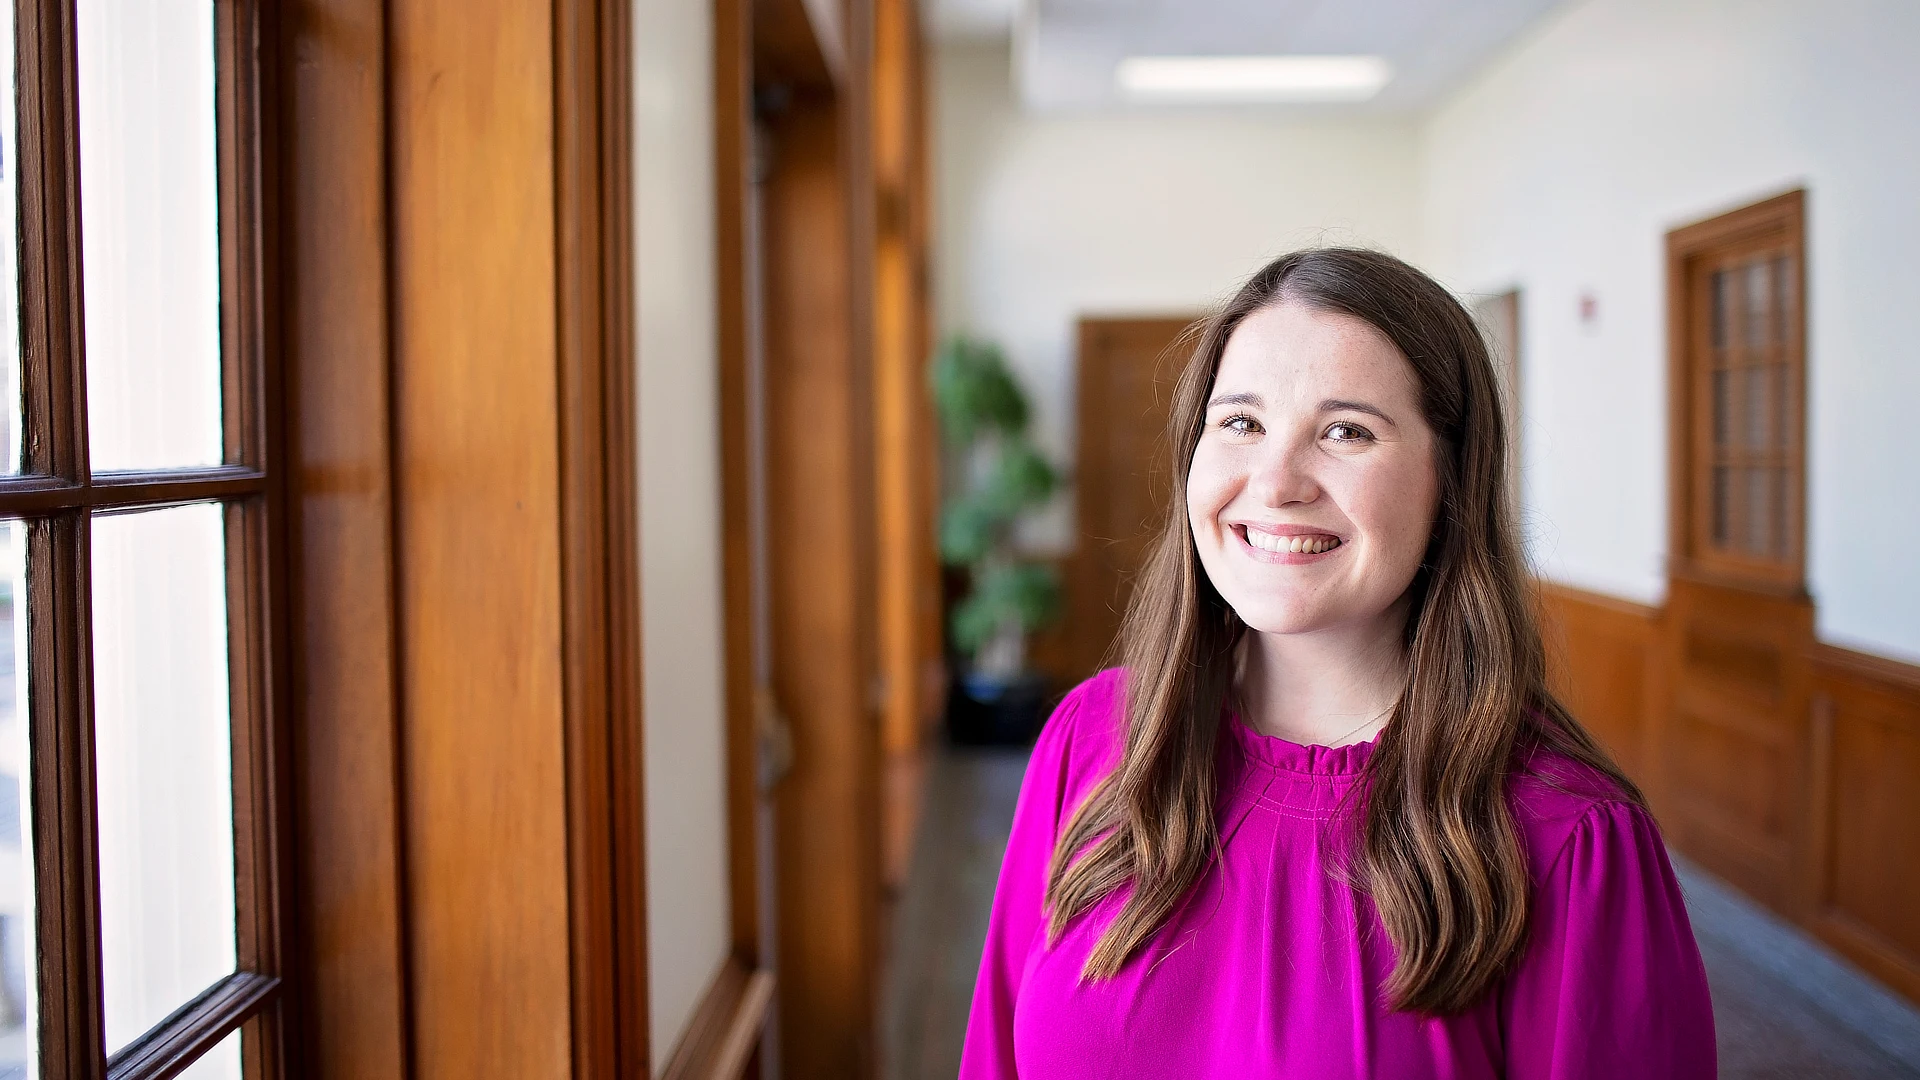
x=1778 y=222
x=1499 y=316
x=57 y=495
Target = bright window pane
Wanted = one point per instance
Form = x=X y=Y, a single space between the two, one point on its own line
x=220 y=1063
x=163 y=762
x=17 y=1005
x=149 y=197
x=9 y=257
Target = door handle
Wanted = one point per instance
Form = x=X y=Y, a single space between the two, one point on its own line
x=772 y=740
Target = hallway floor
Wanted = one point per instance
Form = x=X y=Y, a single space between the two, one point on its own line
x=1784 y=1008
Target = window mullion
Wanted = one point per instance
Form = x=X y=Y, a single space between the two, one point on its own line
x=65 y=851
x=52 y=353
x=237 y=35
x=254 y=774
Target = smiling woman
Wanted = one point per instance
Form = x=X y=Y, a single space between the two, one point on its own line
x=1327 y=820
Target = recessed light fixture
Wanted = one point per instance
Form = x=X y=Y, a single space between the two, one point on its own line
x=1252 y=78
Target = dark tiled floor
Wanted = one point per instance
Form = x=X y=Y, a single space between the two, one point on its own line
x=1785 y=1008
x=941 y=922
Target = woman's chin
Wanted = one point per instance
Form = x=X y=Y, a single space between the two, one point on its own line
x=1285 y=618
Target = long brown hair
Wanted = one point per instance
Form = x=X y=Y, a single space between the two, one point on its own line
x=1433 y=843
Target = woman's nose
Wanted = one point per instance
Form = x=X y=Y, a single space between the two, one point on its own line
x=1284 y=474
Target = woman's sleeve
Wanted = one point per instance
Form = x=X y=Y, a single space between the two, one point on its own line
x=1018 y=899
x=1611 y=984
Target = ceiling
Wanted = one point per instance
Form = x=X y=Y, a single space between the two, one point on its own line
x=1066 y=50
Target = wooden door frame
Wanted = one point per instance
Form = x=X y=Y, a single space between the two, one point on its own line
x=1781 y=213
x=600 y=495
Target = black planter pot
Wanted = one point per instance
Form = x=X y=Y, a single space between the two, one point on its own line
x=987 y=712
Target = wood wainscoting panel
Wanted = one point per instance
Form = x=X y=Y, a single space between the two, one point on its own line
x=1603 y=659
x=1866 y=875
x=1734 y=745
x=1790 y=769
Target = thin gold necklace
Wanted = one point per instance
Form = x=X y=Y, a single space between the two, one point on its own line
x=1363 y=724
x=1342 y=739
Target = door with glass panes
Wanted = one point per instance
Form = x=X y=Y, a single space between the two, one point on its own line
x=1733 y=779
x=138 y=865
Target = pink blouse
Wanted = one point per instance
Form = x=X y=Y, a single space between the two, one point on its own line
x=1272 y=968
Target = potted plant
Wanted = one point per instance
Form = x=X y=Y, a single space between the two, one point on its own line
x=995 y=477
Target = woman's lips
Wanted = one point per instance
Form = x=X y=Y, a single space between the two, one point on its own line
x=1288 y=548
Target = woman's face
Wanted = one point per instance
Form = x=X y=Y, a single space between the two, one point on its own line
x=1313 y=490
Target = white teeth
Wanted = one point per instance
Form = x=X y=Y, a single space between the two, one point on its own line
x=1295 y=545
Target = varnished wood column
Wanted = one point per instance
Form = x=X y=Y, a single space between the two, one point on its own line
x=470 y=899
x=349 y=959
x=820 y=514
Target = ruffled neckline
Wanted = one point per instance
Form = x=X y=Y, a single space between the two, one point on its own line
x=1291 y=756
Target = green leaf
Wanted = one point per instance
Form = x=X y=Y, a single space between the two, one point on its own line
x=1026 y=592
x=969 y=528
x=974 y=392
x=1032 y=590
x=1021 y=478
x=974 y=620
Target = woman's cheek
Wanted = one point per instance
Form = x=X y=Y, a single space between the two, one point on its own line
x=1206 y=490
x=1401 y=505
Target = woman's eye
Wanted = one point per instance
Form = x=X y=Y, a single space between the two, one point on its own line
x=1345 y=432
x=1241 y=425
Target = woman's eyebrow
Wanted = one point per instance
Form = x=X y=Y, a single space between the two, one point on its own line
x=1339 y=405
x=1251 y=401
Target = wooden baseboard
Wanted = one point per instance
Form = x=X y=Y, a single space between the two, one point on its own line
x=726 y=1027
x=903 y=786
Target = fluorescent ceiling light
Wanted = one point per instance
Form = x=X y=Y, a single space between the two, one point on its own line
x=1252 y=78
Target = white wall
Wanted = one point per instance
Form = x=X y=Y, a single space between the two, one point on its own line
x=687 y=911
x=1043 y=219
x=1562 y=167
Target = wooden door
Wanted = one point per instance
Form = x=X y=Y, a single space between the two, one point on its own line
x=1127 y=369
x=1734 y=782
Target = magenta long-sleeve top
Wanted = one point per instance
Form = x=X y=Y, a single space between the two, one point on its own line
x=1272 y=967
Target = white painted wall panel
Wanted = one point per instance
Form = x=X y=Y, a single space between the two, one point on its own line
x=1562 y=167
x=687 y=904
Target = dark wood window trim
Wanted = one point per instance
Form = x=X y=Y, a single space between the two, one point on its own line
x=195 y=1028
x=58 y=496
x=600 y=569
x=60 y=742
x=1774 y=224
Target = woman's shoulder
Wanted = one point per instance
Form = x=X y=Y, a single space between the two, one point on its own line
x=1555 y=799
x=1082 y=740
